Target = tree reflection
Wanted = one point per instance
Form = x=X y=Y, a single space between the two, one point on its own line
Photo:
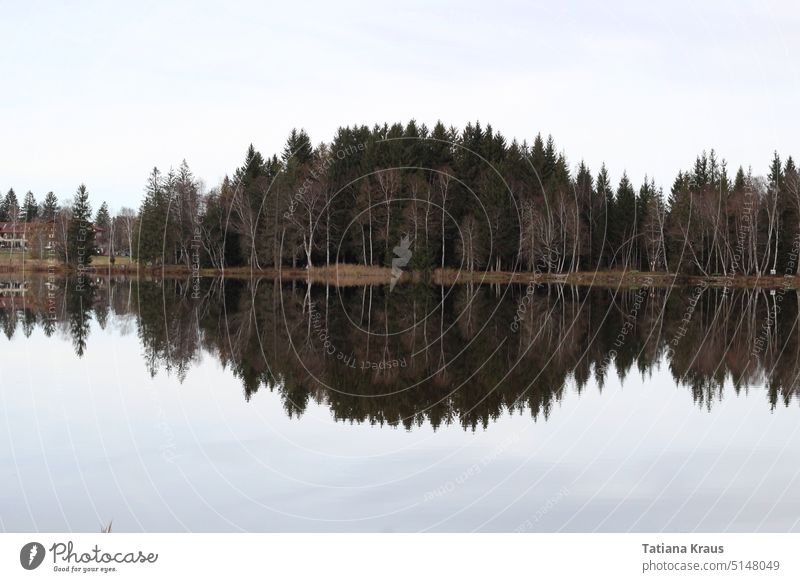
x=417 y=353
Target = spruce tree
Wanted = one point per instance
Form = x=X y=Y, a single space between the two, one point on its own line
x=740 y=181
x=49 y=207
x=775 y=172
x=298 y=147
x=550 y=159
x=646 y=207
x=679 y=219
x=80 y=233
x=700 y=173
x=789 y=168
x=584 y=193
x=152 y=213
x=604 y=194
x=103 y=219
x=623 y=228
x=30 y=209
x=9 y=210
x=102 y=223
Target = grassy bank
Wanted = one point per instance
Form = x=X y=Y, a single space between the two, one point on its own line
x=352 y=275
x=21 y=263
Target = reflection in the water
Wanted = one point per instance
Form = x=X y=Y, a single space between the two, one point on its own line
x=403 y=356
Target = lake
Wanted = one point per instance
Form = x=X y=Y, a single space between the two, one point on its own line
x=231 y=405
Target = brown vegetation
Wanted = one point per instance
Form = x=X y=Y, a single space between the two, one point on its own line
x=347 y=275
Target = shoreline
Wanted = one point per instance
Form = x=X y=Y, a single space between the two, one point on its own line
x=356 y=275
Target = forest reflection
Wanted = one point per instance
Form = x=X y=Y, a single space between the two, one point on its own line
x=466 y=354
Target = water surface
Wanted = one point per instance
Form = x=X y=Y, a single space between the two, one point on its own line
x=261 y=406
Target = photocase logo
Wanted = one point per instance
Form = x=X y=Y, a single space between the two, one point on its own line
x=31 y=555
x=402 y=256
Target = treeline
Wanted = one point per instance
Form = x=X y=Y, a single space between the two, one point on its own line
x=466 y=199
x=68 y=230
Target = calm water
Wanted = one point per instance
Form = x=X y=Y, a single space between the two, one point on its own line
x=256 y=406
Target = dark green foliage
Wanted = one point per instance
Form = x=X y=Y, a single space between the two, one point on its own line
x=9 y=207
x=30 y=210
x=103 y=218
x=467 y=198
x=49 y=207
x=254 y=329
x=80 y=234
x=155 y=232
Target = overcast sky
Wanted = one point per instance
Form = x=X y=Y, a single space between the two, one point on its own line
x=100 y=92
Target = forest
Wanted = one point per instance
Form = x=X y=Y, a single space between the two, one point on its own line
x=466 y=199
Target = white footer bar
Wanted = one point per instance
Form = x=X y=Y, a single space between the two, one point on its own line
x=388 y=557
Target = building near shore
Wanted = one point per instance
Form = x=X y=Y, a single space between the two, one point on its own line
x=36 y=237
x=14 y=235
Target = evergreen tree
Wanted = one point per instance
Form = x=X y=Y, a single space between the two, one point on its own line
x=700 y=173
x=550 y=159
x=298 y=148
x=538 y=158
x=153 y=220
x=103 y=219
x=678 y=219
x=775 y=172
x=80 y=233
x=623 y=229
x=584 y=193
x=102 y=224
x=739 y=182
x=789 y=210
x=49 y=207
x=646 y=207
x=30 y=209
x=9 y=209
x=605 y=193
x=789 y=169
x=249 y=196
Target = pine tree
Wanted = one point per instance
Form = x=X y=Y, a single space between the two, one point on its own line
x=440 y=151
x=30 y=209
x=740 y=181
x=185 y=208
x=623 y=229
x=80 y=233
x=646 y=218
x=538 y=158
x=584 y=193
x=606 y=216
x=248 y=197
x=700 y=174
x=678 y=220
x=102 y=224
x=153 y=213
x=298 y=148
x=789 y=218
x=9 y=209
x=789 y=168
x=775 y=176
x=49 y=207
x=103 y=219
